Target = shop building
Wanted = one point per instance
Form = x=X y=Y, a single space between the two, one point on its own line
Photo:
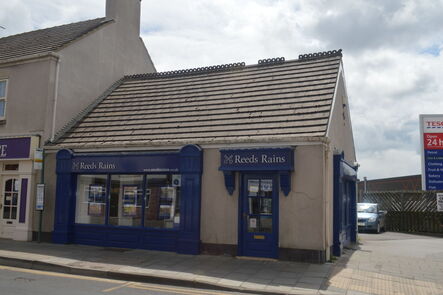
x=47 y=77
x=241 y=160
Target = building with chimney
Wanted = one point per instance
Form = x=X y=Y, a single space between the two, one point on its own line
x=47 y=77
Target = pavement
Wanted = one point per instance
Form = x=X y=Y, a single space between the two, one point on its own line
x=389 y=263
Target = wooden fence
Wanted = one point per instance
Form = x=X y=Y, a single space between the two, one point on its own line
x=408 y=211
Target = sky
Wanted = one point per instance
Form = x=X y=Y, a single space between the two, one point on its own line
x=392 y=54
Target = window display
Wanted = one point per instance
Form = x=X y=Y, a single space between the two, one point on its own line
x=91 y=199
x=162 y=200
x=125 y=200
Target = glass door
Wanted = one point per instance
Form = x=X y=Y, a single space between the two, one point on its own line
x=259 y=216
x=9 y=206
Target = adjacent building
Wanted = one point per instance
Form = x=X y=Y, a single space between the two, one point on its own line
x=254 y=160
x=47 y=77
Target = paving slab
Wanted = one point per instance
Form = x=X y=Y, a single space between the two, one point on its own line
x=377 y=267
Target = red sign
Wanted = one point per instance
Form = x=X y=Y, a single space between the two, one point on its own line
x=433 y=141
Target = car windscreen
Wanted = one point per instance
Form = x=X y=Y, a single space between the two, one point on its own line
x=367 y=208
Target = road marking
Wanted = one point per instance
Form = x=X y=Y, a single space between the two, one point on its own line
x=118 y=287
x=62 y=275
x=175 y=290
x=121 y=284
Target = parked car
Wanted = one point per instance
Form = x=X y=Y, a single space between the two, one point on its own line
x=369 y=217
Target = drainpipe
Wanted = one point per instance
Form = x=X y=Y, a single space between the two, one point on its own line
x=54 y=109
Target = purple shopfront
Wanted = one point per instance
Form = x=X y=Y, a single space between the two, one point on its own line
x=16 y=180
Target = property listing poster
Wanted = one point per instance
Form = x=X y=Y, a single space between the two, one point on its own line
x=431 y=127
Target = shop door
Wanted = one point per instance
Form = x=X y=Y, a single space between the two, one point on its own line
x=9 y=206
x=259 y=216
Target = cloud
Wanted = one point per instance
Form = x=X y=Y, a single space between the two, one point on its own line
x=392 y=53
x=390 y=162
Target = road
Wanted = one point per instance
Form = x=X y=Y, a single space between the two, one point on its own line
x=19 y=281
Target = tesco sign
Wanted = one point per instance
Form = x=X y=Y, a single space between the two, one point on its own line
x=431 y=131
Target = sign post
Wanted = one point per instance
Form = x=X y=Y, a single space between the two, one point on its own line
x=431 y=131
x=40 y=196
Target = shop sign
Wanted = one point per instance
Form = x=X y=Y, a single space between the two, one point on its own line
x=431 y=127
x=40 y=197
x=38 y=159
x=125 y=164
x=15 y=148
x=257 y=159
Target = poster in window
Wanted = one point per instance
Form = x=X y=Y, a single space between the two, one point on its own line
x=96 y=193
x=130 y=198
x=266 y=206
x=266 y=185
x=253 y=187
x=167 y=194
x=96 y=209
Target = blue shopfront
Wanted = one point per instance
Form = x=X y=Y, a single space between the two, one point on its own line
x=130 y=200
x=345 y=204
x=263 y=173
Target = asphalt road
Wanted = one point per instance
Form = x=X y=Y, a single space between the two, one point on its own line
x=19 y=281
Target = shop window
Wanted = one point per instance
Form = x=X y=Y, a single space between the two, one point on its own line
x=125 y=201
x=2 y=99
x=162 y=207
x=91 y=199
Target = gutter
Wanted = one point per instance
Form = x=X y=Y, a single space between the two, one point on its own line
x=28 y=58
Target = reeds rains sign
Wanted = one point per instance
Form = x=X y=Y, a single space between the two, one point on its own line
x=431 y=129
x=257 y=159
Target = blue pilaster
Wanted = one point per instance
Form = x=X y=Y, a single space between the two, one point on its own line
x=65 y=200
x=338 y=204
x=191 y=166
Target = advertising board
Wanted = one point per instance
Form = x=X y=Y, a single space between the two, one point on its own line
x=431 y=131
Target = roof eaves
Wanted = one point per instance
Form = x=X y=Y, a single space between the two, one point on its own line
x=28 y=58
x=294 y=140
x=71 y=124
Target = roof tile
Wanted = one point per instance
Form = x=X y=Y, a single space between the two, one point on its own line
x=45 y=40
x=249 y=103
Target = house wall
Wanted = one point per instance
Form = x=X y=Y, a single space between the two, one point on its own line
x=29 y=97
x=302 y=213
x=340 y=128
x=92 y=64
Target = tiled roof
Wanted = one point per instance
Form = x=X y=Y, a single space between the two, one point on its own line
x=45 y=40
x=271 y=101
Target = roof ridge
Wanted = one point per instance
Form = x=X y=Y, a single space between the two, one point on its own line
x=38 y=30
x=319 y=55
x=233 y=66
x=190 y=71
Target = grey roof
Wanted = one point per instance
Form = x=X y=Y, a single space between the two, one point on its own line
x=271 y=101
x=45 y=40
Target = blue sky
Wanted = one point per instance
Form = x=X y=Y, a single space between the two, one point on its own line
x=392 y=53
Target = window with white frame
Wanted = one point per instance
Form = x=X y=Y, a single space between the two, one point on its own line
x=3 y=98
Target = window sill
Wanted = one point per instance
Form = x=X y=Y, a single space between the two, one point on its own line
x=2 y=121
